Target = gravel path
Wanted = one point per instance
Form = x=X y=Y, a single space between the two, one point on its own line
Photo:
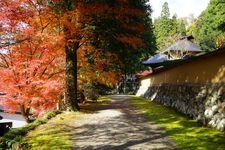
x=119 y=127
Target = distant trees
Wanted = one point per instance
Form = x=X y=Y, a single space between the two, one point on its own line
x=167 y=29
x=209 y=28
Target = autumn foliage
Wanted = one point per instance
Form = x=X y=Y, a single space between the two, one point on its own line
x=32 y=59
x=49 y=47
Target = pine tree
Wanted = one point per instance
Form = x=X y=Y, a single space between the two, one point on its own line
x=165 y=13
x=162 y=27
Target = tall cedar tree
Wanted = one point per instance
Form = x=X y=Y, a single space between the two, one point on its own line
x=125 y=30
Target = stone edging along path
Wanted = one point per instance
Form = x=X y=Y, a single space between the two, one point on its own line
x=119 y=127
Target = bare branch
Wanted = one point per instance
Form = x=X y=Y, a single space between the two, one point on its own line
x=4 y=59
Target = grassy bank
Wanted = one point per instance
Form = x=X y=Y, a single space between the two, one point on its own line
x=12 y=139
x=55 y=134
x=59 y=132
x=187 y=133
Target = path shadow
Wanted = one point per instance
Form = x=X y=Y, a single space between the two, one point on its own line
x=118 y=126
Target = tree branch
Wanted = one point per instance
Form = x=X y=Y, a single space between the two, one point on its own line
x=10 y=44
x=55 y=73
x=43 y=72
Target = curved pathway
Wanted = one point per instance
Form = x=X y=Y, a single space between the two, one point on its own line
x=119 y=127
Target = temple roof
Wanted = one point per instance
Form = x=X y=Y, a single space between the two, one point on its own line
x=184 y=44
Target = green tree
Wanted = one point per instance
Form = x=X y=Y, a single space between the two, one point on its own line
x=163 y=27
x=210 y=25
x=167 y=29
x=181 y=27
x=165 y=13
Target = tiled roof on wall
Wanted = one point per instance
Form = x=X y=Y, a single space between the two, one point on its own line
x=158 y=67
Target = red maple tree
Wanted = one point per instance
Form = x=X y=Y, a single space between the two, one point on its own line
x=32 y=68
x=43 y=42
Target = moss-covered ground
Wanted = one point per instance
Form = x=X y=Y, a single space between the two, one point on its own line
x=187 y=133
x=58 y=133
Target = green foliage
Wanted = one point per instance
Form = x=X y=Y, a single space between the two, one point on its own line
x=91 y=92
x=103 y=89
x=181 y=28
x=210 y=25
x=15 y=135
x=167 y=30
x=187 y=133
x=165 y=13
x=51 y=114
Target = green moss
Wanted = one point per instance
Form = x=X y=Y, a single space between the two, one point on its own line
x=58 y=133
x=187 y=133
x=14 y=136
x=55 y=134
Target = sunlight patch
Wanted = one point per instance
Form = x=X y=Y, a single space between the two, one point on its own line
x=110 y=113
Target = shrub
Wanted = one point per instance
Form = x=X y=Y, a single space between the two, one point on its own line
x=104 y=89
x=92 y=94
x=90 y=91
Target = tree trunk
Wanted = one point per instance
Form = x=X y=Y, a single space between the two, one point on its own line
x=71 y=76
x=71 y=61
x=25 y=113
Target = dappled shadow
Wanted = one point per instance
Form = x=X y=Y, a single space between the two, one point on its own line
x=126 y=146
x=118 y=126
x=180 y=127
x=94 y=107
x=54 y=138
x=55 y=134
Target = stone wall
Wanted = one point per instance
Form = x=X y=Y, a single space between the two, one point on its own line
x=204 y=102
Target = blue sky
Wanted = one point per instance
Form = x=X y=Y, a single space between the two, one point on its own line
x=182 y=8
